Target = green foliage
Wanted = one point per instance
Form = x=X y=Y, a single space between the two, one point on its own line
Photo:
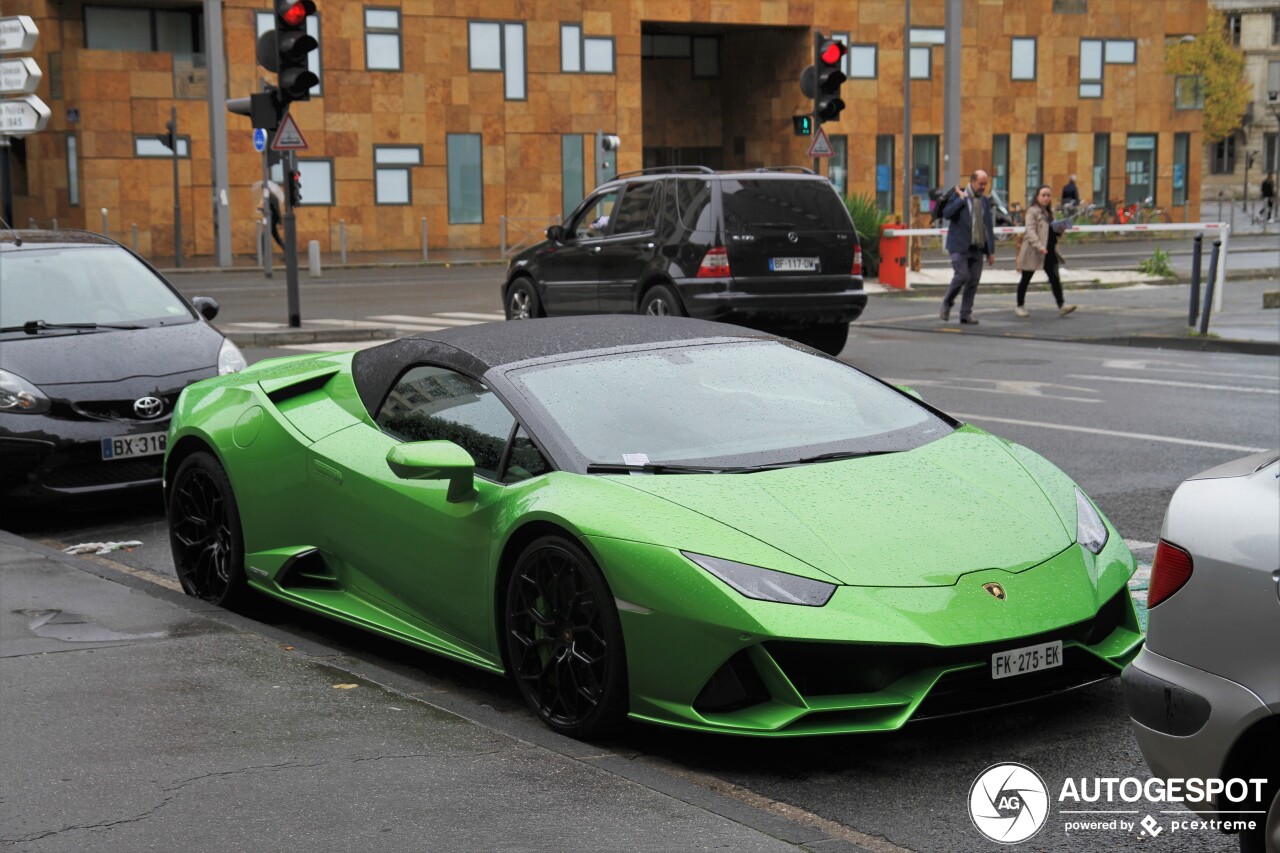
x=1220 y=66
x=1157 y=264
x=867 y=219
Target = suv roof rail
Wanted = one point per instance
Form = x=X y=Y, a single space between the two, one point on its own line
x=804 y=170
x=667 y=170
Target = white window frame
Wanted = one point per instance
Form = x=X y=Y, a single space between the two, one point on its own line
x=382 y=32
x=1018 y=48
x=863 y=51
x=316 y=166
x=399 y=159
x=921 y=63
x=511 y=54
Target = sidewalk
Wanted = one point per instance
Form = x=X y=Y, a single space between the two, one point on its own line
x=137 y=718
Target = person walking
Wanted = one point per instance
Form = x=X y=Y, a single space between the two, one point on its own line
x=970 y=235
x=1269 y=197
x=1070 y=194
x=1039 y=251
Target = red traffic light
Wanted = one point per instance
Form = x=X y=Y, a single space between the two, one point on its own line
x=293 y=13
x=832 y=52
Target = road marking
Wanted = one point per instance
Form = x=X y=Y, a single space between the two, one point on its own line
x=407 y=321
x=365 y=324
x=1144 y=365
x=253 y=325
x=334 y=346
x=1172 y=384
x=1139 y=545
x=1141 y=436
x=1002 y=386
x=467 y=315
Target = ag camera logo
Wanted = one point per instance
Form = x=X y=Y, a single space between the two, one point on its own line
x=1008 y=803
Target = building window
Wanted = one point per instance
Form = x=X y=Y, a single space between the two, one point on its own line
x=928 y=35
x=1121 y=52
x=921 y=66
x=266 y=21
x=1223 y=159
x=499 y=46
x=1000 y=163
x=1090 y=68
x=316 y=178
x=704 y=51
x=1071 y=7
x=588 y=54
x=158 y=146
x=1023 y=65
x=73 y=172
x=884 y=171
x=1101 y=167
x=466 y=178
x=839 y=165
x=1269 y=153
x=1275 y=27
x=1233 y=29
x=392 y=173
x=862 y=62
x=1188 y=92
x=1181 y=163
x=1140 y=168
x=572 y=169
x=1273 y=83
x=142 y=30
x=382 y=50
x=1035 y=165
x=706 y=57
x=924 y=169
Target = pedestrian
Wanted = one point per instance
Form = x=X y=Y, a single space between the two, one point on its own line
x=1269 y=197
x=1039 y=251
x=1071 y=195
x=970 y=235
x=274 y=201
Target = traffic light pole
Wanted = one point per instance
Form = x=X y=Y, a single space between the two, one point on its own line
x=177 y=197
x=817 y=122
x=291 y=246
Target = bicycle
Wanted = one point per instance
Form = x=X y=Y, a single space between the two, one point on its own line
x=1149 y=214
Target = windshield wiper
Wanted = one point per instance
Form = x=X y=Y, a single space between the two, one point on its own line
x=31 y=327
x=654 y=468
x=839 y=454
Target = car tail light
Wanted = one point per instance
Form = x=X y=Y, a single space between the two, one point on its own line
x=715 y=263
x=857 y=260
x=1169 y=571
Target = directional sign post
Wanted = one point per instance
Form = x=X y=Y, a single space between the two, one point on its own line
x=17 y=34
x=19 y=76
x=24 y=115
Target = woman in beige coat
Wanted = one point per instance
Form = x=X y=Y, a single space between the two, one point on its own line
x=1039 y=251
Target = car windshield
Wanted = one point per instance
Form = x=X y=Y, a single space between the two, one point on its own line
x=723 y=406
x=93 y=285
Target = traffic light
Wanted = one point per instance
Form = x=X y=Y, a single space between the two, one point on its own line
x=295 y=188
x=803 y=125
x=293 y=44
x=827 y=100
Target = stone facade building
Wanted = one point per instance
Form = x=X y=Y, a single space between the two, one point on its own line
x=459 y=112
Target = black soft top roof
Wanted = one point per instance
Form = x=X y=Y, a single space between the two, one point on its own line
x=475 y=350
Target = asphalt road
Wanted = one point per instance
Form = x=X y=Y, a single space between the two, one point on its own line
x=1127 y=424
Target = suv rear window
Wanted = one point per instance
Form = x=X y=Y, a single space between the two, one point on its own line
x=754 y=205
x=693 y=201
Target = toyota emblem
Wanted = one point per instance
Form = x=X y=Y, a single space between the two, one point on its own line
x=793 y=237
x=148 y=407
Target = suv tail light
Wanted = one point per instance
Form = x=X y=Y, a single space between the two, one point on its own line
x=857 y=260
x=1169 y=571
x=715 y=263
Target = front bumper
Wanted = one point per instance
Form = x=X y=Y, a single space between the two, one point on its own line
x=1186 y=720
x=873 y=658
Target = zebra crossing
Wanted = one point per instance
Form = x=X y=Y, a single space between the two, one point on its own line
x=404 y=324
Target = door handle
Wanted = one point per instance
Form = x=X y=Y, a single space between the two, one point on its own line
x=595 y=250
x=648 y=245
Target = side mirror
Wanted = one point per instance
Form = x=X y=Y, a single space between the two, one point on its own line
x=907 y=389
x=555 y=233
x=206 y=305
x=435 y=460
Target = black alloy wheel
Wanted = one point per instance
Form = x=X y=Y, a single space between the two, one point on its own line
x=522 y=300
x=564 y=640
x=205 y=533
x=661 y=301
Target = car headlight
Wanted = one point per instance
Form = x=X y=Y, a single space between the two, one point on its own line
x=1090 y=531
x=766 y=584
x=230 y=359
x=19 y=396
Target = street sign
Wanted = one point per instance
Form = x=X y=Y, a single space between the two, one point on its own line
x=17 y=34
x=259 y=139
x=821 y=145
x=288 y=137
x=19 y=76
x=24 y=115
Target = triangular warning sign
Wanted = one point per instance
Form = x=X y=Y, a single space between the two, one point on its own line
x=288 y=137
x=820 y=146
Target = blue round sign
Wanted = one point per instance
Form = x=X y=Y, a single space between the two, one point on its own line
x=259 y=139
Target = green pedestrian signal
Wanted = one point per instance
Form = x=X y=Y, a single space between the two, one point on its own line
x=803 y=125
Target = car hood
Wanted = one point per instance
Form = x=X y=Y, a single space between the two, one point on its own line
x=923 y=517
x=54 y=358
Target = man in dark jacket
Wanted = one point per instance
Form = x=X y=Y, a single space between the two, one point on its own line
x=970 y=235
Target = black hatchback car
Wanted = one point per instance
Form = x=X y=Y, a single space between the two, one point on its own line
x=772 y=249
x=95 y=347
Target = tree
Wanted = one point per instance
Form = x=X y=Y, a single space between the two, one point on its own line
x=1220 y=67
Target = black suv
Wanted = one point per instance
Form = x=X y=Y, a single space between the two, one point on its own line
x=773 y=249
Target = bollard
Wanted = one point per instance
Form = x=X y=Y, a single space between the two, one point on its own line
x=55 y=225
x=1219 y=205
x=424 y=238
x=105 y=233
x=1208 y=287
x=135 y=238
x=313 y=258
x=257 y=238
x=342 y=239
x=502 y=236
x=1194 y=309
x=31 y=223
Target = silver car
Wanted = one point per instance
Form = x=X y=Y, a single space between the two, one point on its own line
x=1204 y=694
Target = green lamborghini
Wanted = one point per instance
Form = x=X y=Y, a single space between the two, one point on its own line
x=675 y=521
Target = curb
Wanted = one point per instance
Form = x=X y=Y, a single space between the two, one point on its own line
x=247 y=338
x=372 y=265
x=1152 y=341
